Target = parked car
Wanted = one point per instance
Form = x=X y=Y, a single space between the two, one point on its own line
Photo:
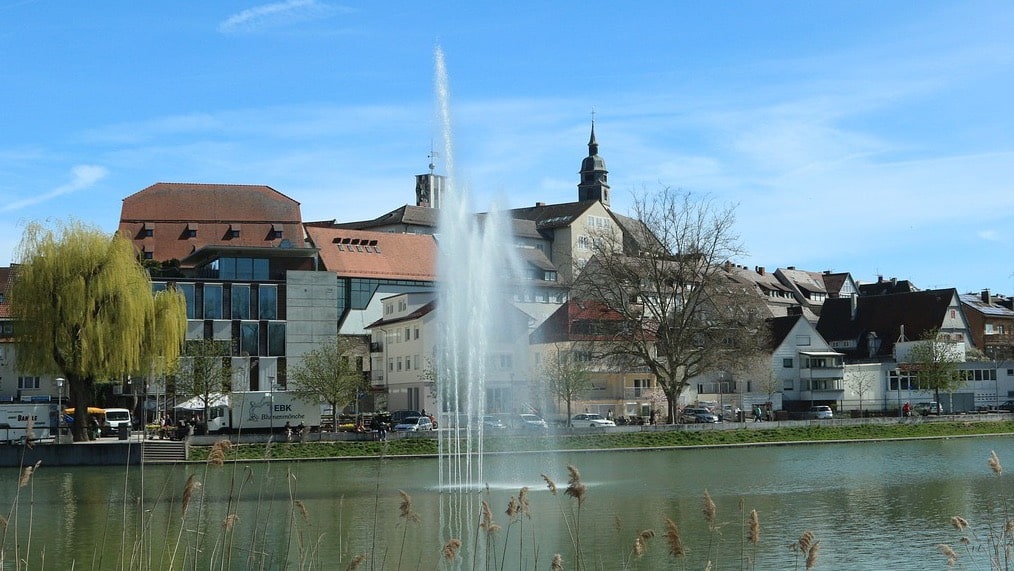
x=1007 y=406
x=530 y=422
x=590 y=419
x=821 y=412
x=697 y=415
x=414 y=424
x=492 y=422
x=925 y=408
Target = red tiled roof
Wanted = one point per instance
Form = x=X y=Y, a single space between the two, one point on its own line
x=383 y=255
x=184 y=217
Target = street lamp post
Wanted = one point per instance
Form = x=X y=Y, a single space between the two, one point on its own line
x=59 y=419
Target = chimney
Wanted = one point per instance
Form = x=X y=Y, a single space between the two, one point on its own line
x=894 y=281
x=759 y=270
x=538 y=204
x=880 y=279
x=853 y=306
x=871 y=344
x=985 y=296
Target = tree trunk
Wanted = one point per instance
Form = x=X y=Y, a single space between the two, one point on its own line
x=80 y=398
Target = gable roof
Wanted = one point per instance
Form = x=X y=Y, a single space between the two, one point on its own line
x=885 y=287
x=884 y=316
x=551 y=216
x=424 y=309
x=779 y=328
x=381 y=255
x=560 y=325
x=173 y=220
x=407 y=215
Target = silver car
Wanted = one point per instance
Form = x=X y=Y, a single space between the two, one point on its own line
x=590 y=419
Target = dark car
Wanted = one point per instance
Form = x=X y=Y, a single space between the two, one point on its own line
x=1007 y=406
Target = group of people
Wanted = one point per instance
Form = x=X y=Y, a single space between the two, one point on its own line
x=296 y=431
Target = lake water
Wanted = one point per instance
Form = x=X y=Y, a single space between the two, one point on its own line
x=871 y=505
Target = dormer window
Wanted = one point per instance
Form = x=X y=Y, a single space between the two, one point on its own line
x=147 y=230
x=190 y=231
x=275 y=233
x=233 y=231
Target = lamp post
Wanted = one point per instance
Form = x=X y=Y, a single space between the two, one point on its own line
x=59 y=419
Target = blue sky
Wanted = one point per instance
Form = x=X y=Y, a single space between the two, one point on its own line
x=869 y=137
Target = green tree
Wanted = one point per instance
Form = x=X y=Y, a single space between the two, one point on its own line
x=205 y=371
x=330 y=374
x=84 y=310
x=567 y=377
x=934 y=359
x=669 y=304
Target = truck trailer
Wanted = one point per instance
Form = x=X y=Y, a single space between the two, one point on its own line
x=256 y=411
x=16 y=417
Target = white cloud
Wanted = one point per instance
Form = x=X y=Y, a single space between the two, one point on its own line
x=277 y=14
x=84 y=176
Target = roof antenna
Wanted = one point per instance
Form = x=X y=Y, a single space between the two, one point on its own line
x=433 y=155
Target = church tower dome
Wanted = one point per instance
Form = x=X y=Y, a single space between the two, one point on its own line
x=594 y=183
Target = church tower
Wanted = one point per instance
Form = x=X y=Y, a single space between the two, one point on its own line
x=594 y=176
x=429 y=187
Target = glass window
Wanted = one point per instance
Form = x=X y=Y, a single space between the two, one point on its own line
x=244 y=269
x=240 y=301
x=260 y=269
x=268 y=301
x=227 y=268
x=787 y=362
x=248 y=338
x=190 y=296
x=213 y=301
x=276 y=339
x=28 y=382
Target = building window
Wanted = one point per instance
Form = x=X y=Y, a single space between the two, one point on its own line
x=787 y=362
x=802 y=340
x=787 y=385
x=276 y=339
x=190 y=233
x=408 y=334
x=583 y=243
x=267 y=298
x=147 y=233
x=390 y=364
x=148 y=255
x=240 y=301
x=190 y=295
x=248 y=338
x=415 y=333
x=408 y=363
x=399 y=363
x=29 y=383
x=213 y=301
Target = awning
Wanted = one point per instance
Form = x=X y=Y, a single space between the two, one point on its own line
x=821 y=354
x=91 y=410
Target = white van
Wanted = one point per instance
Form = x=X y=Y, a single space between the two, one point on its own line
x=115 y=418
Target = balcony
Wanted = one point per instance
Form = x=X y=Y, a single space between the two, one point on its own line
x=376 y=347
x=630 y=393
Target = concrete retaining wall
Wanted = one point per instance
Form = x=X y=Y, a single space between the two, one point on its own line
x=83 y=454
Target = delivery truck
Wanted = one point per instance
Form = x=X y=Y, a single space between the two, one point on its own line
x=255 y=411
x=15 y=419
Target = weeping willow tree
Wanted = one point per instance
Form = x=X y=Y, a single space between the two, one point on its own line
x=84 y=309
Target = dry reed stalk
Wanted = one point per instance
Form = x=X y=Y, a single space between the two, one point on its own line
x=754 y=536
x=526 y=509
x=301 y=508
x=575 y=488
x=709 y=510
x=959 y=523
x=946 y=551
x=557 y=563
x=26 y=474
x=805 y=541
x=994 y=463
x=672 y=536
x=216 y=456
x=811 y=555
x=230 y=522
x=641 y=542
x=487 y=522
x=550 y=484
x=188 y=492
x=356 y=562
x=29 y=433
x=450 y=550
x=406 y=508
